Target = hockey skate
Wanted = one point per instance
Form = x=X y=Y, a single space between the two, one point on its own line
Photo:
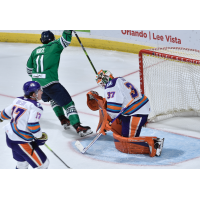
x=64 y=122
x=158 y=145
x=82 y=130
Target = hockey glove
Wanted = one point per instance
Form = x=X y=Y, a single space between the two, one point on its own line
x=42 y=140
x=68 y=31
x=93 y=92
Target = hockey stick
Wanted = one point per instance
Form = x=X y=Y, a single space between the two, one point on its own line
x=82 y=149
x=85 y=51
x=57 y=156
x=80 y=146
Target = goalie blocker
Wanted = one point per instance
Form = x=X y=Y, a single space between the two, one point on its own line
x=136 y=145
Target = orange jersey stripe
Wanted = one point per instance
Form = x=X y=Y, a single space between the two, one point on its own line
x=136 y=105
x=26 y=136
x=3 y=116
x=34 y=127
x=114 y=107
x=28 y=149
x=134 y=126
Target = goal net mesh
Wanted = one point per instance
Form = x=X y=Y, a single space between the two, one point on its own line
x=172 y=85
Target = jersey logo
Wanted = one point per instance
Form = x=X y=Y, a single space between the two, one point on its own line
x=109 y=84
x=39 y=105
x=38 y=75
x=40 y=50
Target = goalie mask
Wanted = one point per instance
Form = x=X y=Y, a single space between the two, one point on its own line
x=103 y=77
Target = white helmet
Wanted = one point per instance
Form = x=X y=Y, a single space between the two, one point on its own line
x=103 y=77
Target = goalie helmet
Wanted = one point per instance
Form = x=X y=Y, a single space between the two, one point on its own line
x=46 y=37
x=103 y=77
x=30 y=87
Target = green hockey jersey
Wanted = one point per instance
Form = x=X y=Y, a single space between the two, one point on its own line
x=44 y=61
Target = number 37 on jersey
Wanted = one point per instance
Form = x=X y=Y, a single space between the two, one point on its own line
x=133 y=91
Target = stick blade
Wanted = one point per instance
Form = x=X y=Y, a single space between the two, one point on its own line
x=79 y=147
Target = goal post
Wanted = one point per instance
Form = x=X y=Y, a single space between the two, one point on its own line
x=170 y=78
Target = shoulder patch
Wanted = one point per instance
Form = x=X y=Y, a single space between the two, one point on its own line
x=39 y=105
x=111 y=83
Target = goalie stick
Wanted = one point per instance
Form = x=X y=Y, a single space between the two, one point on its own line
x=85 y=51
x=80 y=146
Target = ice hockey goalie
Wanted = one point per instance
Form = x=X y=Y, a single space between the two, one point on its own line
x=135 y=145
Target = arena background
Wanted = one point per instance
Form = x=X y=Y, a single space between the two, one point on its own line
x=120 y=40
x=131 y=41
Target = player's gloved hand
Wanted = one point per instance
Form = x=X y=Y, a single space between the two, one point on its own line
x=0 y=117
x=42 y=140
x=68 y=31
x=93 y=92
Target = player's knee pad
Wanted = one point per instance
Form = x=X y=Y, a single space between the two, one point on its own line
x=44 y=165
x=22 y=165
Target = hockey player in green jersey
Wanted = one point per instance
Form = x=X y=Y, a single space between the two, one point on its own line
x=42 y=66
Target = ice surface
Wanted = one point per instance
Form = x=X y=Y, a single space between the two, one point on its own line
x=78 y=77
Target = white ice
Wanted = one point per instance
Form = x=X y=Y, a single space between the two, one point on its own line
x=78 y=77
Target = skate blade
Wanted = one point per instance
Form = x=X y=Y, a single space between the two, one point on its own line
x=66 y=127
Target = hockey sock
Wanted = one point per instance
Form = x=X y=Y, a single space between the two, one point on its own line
x=72 y=113
x=57 y=109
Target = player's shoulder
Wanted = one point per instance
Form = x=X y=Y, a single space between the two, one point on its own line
x=25 y=101
x=39 y=47
x=54 y=46
x=114 y=82
x=35 y=51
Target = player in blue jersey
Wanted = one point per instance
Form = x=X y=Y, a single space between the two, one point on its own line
x=23 y=132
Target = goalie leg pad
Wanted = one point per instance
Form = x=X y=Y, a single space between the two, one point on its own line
x=137 y=145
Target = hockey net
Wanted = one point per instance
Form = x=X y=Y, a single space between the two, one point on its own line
x=170 y=78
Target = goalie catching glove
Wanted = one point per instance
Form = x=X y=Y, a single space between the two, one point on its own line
x=42 y=140
x=92 y=98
